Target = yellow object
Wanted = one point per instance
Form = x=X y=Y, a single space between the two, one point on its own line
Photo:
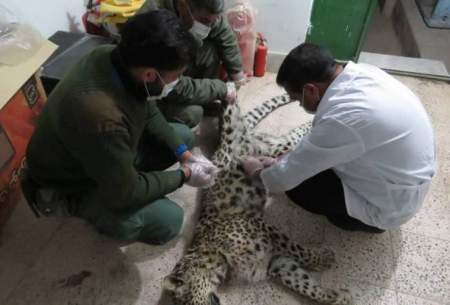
x=114 y=11
x=120 y=8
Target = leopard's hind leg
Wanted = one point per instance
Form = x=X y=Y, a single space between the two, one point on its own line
x=291 y=274
x=291 y=264
x=308 y=258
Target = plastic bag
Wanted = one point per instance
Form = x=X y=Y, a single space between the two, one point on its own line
x=18 y=40
x=241 y=17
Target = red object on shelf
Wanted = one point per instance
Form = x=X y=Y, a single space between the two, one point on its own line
x=260 y=57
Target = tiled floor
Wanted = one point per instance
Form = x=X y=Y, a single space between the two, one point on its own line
x=64 y=262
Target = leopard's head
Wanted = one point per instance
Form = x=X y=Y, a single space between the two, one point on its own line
x=195 y=283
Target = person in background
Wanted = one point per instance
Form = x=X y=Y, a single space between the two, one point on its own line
x=101 y=145
x=199 y=89
x=369 y=158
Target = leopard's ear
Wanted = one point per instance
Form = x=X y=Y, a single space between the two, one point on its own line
x=214 y=299
x=172 y=282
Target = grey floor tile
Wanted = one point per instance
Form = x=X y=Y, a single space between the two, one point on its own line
x=21 y=241
x=79 y=266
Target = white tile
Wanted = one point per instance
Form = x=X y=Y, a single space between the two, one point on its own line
x=423 y=266
x=361 y=256
x=298 y=224
x=404 y=299
x=363 y=293
x=262 y=293
x=432 y=219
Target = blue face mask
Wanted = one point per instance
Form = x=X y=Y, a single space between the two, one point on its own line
x=167 y=88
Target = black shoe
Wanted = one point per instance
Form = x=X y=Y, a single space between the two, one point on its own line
x=213 y=109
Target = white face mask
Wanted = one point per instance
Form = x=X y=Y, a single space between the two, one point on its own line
x=164 y=92
x=200 y=30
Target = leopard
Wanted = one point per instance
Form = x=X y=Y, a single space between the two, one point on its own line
x=231 y=238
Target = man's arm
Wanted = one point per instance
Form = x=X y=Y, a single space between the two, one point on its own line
x=198 y=91
x=329 y=144
x=108 y=160
x=158 y=128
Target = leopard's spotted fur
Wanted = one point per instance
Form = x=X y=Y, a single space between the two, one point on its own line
x=231 y=234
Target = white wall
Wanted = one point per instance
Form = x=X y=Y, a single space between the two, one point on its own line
x=49 y=16
x=283 y=22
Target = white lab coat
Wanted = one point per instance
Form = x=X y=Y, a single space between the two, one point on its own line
x=375 y=134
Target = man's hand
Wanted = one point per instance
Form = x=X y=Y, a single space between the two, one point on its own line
x=201 y=171
x=200 y=176
x=267 y=161
x=188 y=158
x=231 y=97
x=252 y=166
x=239 y=79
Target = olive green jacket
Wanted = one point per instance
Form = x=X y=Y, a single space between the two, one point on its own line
x=87 y=137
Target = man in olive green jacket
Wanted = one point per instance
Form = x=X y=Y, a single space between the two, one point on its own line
x=101 y=144
x=200 y=87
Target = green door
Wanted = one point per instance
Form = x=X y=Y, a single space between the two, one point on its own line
x=340 y=25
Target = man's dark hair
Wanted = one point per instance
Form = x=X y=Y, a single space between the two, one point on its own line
x=156 y=39
x=209 y=6
x=306 y=63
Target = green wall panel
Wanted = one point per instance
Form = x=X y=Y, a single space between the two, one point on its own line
x=340 y=25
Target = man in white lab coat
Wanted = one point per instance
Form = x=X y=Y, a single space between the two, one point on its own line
x=368 y=161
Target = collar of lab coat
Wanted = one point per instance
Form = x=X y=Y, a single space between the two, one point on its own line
x=337 y=86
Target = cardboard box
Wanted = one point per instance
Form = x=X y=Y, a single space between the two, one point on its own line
x=21 y=100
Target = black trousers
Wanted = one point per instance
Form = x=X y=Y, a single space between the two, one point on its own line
x=323 y=194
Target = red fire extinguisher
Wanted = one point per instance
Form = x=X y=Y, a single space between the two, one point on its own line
x=260 y=56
